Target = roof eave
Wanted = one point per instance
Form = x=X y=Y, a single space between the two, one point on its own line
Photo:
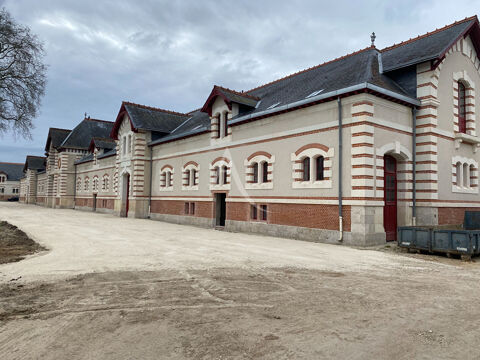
x=325 y=97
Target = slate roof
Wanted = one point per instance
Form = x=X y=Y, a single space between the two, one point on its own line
x=107 y=154
x=366 y=69
x=426 y=47
x=153 y=119
x=82 y=134
x=14 y=171
x=103 y=143
x=85 y=159
x=37 y=163
x=197 y=123
x=56 y=137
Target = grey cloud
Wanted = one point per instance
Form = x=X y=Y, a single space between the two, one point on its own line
x=170 y=53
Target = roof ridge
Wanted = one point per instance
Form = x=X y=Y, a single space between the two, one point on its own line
x=313 y=67
x=11 y=163
x=36 y=156
x=193 y=111
x=54 y=128
x=97 y=120
x=153 y=108
x=446 y=27
x=240 y=93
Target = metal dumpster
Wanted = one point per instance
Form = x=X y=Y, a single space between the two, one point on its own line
x=462 y=242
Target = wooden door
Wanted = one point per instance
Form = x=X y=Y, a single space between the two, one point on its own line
x=390 y=198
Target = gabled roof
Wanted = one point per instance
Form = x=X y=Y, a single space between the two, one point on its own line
x=37 y=163
x=101 y=143
x=229 y=96
x=366 y=70
x=14 y=171
x=430 y=46
x=197 y=123
x=82 y=134
x=148 y=118
x=56 y=137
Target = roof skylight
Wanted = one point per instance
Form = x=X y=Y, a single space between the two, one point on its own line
x=315 y=93
x=273 y=106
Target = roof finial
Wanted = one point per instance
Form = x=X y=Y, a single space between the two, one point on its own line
x=373 y=37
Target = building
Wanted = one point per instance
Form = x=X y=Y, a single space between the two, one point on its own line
x=10 y=175
x=343 y=152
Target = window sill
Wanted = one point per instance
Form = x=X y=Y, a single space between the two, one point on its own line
x=191 y=188
x=259 y=186
x=220 y=187
x=169 y=188
x=464 y=190
x=323 y=184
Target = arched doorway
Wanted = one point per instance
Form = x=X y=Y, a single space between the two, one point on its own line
x=390 y=198
x=125 y=194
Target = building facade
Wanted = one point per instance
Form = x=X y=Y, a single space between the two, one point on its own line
x=10 y=175
x=344 y=152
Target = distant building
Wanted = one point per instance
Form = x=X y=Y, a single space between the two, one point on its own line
x=345 y=151
x=10 y=175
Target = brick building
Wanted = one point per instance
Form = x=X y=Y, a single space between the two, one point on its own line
x=10 y=175
x=345 y=151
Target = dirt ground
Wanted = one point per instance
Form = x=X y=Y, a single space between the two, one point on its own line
x=15 y=244
x=249 y=297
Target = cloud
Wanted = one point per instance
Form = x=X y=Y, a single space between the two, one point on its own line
x=170 y=53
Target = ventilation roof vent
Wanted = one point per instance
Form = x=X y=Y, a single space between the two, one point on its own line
x=315 y=93
x=273 y=106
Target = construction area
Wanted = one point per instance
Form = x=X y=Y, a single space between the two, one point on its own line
x=104 y=287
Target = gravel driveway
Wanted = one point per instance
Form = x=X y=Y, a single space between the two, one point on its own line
x=112 y=288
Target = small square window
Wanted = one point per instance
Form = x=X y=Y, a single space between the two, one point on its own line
x=253 y=212
x=263 y=212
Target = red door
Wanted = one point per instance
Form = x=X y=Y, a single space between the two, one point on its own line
x=390 y=198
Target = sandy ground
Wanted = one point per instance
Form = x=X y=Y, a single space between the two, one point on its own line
x=112 y=288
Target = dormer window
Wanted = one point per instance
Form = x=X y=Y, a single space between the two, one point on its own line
x=462 y=117
x=3 y=178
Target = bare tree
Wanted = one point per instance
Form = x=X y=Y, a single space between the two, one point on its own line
x=22 y=76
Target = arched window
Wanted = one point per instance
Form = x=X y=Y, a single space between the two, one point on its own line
x=219 y=122
x=186 y=177
x=193 y=181
x=319 y=168
x=105 y=182
x=462 y=118
x=255 y=172
x=79 y=184
x=95 y=183
x=3 y=178
x=168 y=179
x=225 y=124
x=264 y=172
x=459 y=173
x=86 y=186
x=306 y=169
x=224 y=175
x=472 y=176
x=217 y=175
x=129 y=146
x=465 y=175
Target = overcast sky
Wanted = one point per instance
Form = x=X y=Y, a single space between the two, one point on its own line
x=169 y=54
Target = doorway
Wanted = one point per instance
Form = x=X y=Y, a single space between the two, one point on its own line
x=125 y=195
x=220 y=209
x=390 y=198
x=94 y=202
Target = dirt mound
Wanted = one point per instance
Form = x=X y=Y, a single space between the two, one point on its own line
x=15 y=244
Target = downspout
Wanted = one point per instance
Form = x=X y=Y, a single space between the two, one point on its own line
x=340 y=165
x=75 y=185
x=150 y=192
x=414 y=156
